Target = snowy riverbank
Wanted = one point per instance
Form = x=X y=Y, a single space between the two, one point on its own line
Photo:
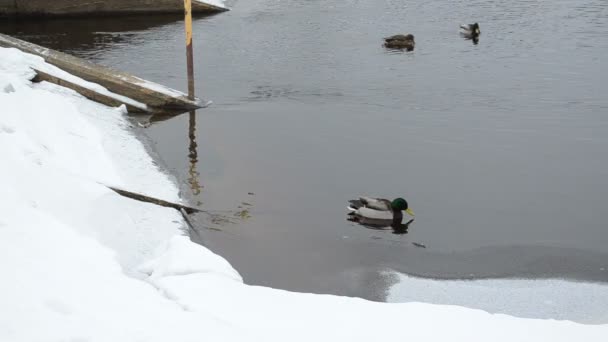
x=82 y=263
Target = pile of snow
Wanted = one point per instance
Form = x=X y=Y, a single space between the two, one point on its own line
x=81 y=263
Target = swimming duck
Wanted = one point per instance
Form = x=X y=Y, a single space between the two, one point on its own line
x=470 y=30
x=400 y=41
x=379 y=208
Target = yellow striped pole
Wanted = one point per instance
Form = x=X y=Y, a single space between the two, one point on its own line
x=189 y=56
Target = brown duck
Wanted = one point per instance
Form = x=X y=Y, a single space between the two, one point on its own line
x=400 y=41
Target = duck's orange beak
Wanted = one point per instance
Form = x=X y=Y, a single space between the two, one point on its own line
x=410 y=212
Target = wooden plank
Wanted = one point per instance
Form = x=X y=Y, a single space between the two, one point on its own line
x=88 y=93
x=155 y=96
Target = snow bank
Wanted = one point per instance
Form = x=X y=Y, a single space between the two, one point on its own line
x=66 y=241
x=80 y=263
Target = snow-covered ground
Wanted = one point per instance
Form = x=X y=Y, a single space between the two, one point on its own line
x=81 y=263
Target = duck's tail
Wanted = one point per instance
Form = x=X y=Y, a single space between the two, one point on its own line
x=351 y=210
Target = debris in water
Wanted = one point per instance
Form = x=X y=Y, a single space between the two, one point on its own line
x=242 y=214
x=418 y=244
x=250 y=193
x=220 y=219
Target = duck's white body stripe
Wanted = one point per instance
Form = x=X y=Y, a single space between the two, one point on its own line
x=374 y=214
x=375 y=203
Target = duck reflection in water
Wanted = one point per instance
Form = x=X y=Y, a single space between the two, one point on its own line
x=396 y=224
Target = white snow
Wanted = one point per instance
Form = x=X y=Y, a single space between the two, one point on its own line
x=81 y=263
x=217 y=3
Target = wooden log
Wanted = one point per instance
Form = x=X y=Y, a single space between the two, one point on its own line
x=163 y=203
x=88 y=93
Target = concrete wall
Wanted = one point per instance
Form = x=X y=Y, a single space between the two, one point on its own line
x=99 y=7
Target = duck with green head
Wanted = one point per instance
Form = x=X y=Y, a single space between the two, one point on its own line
x=372 y=208
x=470 y=30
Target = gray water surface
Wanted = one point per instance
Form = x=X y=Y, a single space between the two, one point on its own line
x=500 y=147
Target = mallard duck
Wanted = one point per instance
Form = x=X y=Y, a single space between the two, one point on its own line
x=379 y=208
x=400 y=41
x=470 y=30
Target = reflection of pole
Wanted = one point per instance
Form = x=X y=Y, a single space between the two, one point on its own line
x=192 y=153
x=193 y=156
x=189 y=57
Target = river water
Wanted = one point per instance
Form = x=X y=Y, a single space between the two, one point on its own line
x=500 y=147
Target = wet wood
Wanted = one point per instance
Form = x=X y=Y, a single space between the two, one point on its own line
x=163 y=203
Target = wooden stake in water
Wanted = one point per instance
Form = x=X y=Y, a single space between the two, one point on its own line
x=189 y=56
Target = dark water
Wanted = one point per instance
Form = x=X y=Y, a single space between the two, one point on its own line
x=501 y=148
